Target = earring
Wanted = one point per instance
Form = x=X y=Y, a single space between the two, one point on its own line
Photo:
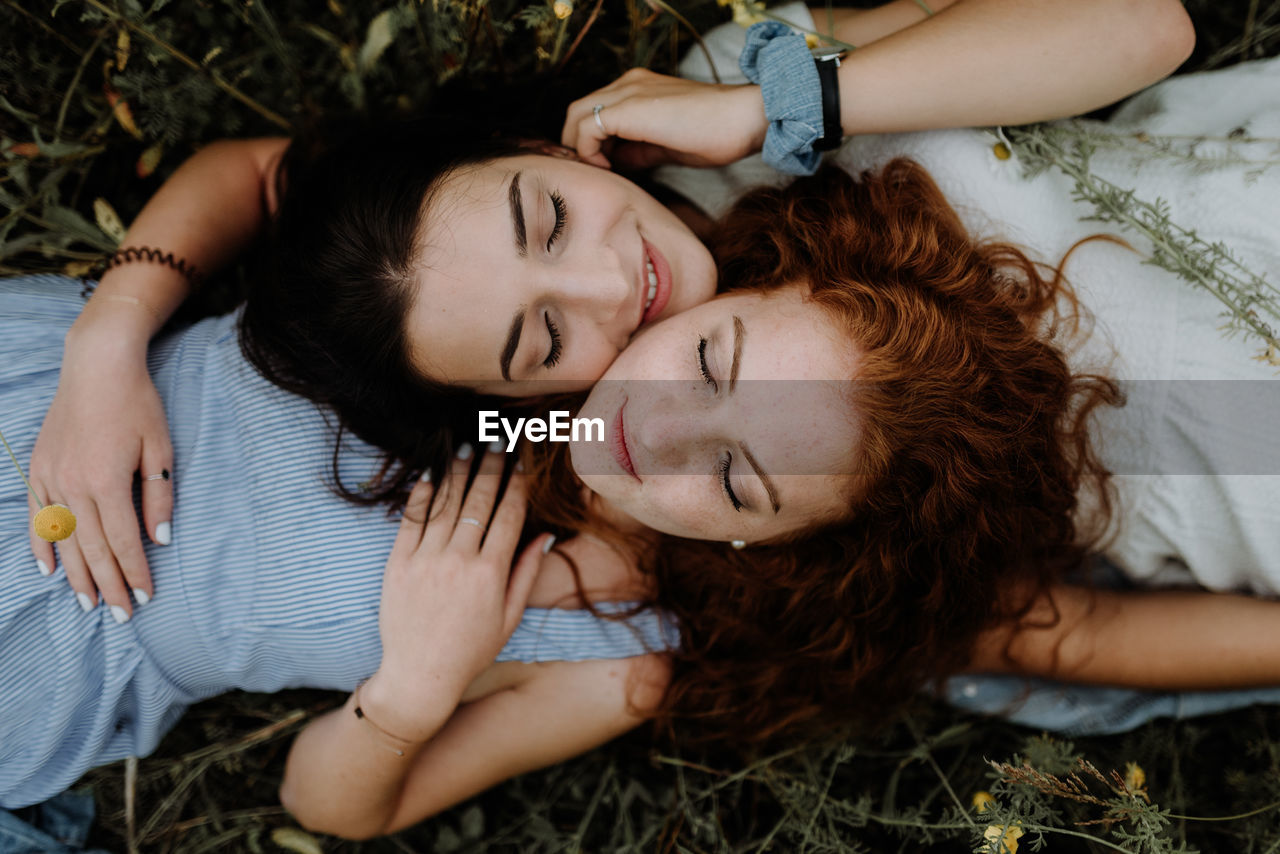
x=738 y=544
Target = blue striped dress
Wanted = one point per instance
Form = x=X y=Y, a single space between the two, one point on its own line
x=271 y=582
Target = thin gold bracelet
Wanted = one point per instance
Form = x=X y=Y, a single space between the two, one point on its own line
x=360 y=713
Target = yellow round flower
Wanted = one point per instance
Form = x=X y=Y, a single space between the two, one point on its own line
x=982 y=800
x=562 y=9
x=1001 y=151
x=1134 y=777
x=54 y=522
x=1011 y=834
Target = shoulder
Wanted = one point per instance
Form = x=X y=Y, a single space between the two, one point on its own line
x=607 y=575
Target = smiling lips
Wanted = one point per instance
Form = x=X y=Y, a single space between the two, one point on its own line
x=656 y=284
x=618 y=443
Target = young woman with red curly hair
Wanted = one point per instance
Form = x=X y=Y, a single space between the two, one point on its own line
x=992 y=456
x=906 y=506
x=1188 y=447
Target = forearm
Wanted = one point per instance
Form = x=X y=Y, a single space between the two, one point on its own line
x=995 y=62
x=1169 y=640
x=346 y=778
x=207 y=212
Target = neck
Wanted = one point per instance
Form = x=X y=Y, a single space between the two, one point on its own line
x=601 y=509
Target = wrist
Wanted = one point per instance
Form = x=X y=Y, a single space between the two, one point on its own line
x=404 y=715
x=111 y=327
x=780 y=62
x=751 y=106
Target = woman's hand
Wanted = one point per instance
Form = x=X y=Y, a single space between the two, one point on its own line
x=106 y=422
x=450 y=596
x=652 y=119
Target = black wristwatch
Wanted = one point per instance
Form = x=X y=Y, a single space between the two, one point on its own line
x=827 y=59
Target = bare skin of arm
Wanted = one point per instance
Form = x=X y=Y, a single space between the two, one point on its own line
x=442 y=721
x=977 y=62
x=91 y=445
x=995 y=62
x=559 y=711
x=1171 y=640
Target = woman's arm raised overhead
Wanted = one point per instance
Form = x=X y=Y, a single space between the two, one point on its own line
x=1167 y=640
x=976 y=62
x=1006 y=62
x=106 y=421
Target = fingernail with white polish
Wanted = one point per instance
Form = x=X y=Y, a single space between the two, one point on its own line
x=426 y=476
x=496 y=446
x=43 y=567
x=140 y=596
x=86 y=604
x=546 y=547
x=464 y=452
x=120 y=614
x=164 y=533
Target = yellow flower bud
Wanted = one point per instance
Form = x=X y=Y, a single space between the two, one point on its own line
x=1001 y=151
x=1011 y=834
x=746 y=12
x=562 y=8
x=982 y=800
x=1134 y=777
x=810 y=41
x=54 y=522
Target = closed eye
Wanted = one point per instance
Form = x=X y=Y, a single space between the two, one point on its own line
x=724 y=466
x=557 y=346
x=702 y=365
x=561 y=209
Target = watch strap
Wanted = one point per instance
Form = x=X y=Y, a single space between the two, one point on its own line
x=828 y=65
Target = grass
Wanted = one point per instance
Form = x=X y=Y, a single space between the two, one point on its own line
x=195 y=71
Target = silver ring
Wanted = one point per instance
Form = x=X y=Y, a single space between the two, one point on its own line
x=164 y=475
x=467 y=520
x=596 y=112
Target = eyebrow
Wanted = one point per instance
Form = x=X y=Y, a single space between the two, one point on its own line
x=739 y=332
x=764 y=478
x=517 y=214
x=513 y=341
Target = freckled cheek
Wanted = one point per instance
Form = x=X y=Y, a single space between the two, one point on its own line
x=675 y=508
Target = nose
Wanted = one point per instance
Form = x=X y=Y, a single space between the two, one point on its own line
x=598 y=291
x=673 y=430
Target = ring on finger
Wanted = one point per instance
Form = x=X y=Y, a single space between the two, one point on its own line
x=163 y=475
x=595 y=111
x=470 y=520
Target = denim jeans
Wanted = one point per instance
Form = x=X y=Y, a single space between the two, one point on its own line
x=59 y=825
x=1075 y=710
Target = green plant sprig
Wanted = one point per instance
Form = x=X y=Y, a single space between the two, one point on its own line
x=21 y=474
x=1210 y=266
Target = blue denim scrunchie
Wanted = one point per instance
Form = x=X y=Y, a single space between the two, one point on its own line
x=779 y=61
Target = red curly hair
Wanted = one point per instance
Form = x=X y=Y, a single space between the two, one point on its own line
x=975 y=447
